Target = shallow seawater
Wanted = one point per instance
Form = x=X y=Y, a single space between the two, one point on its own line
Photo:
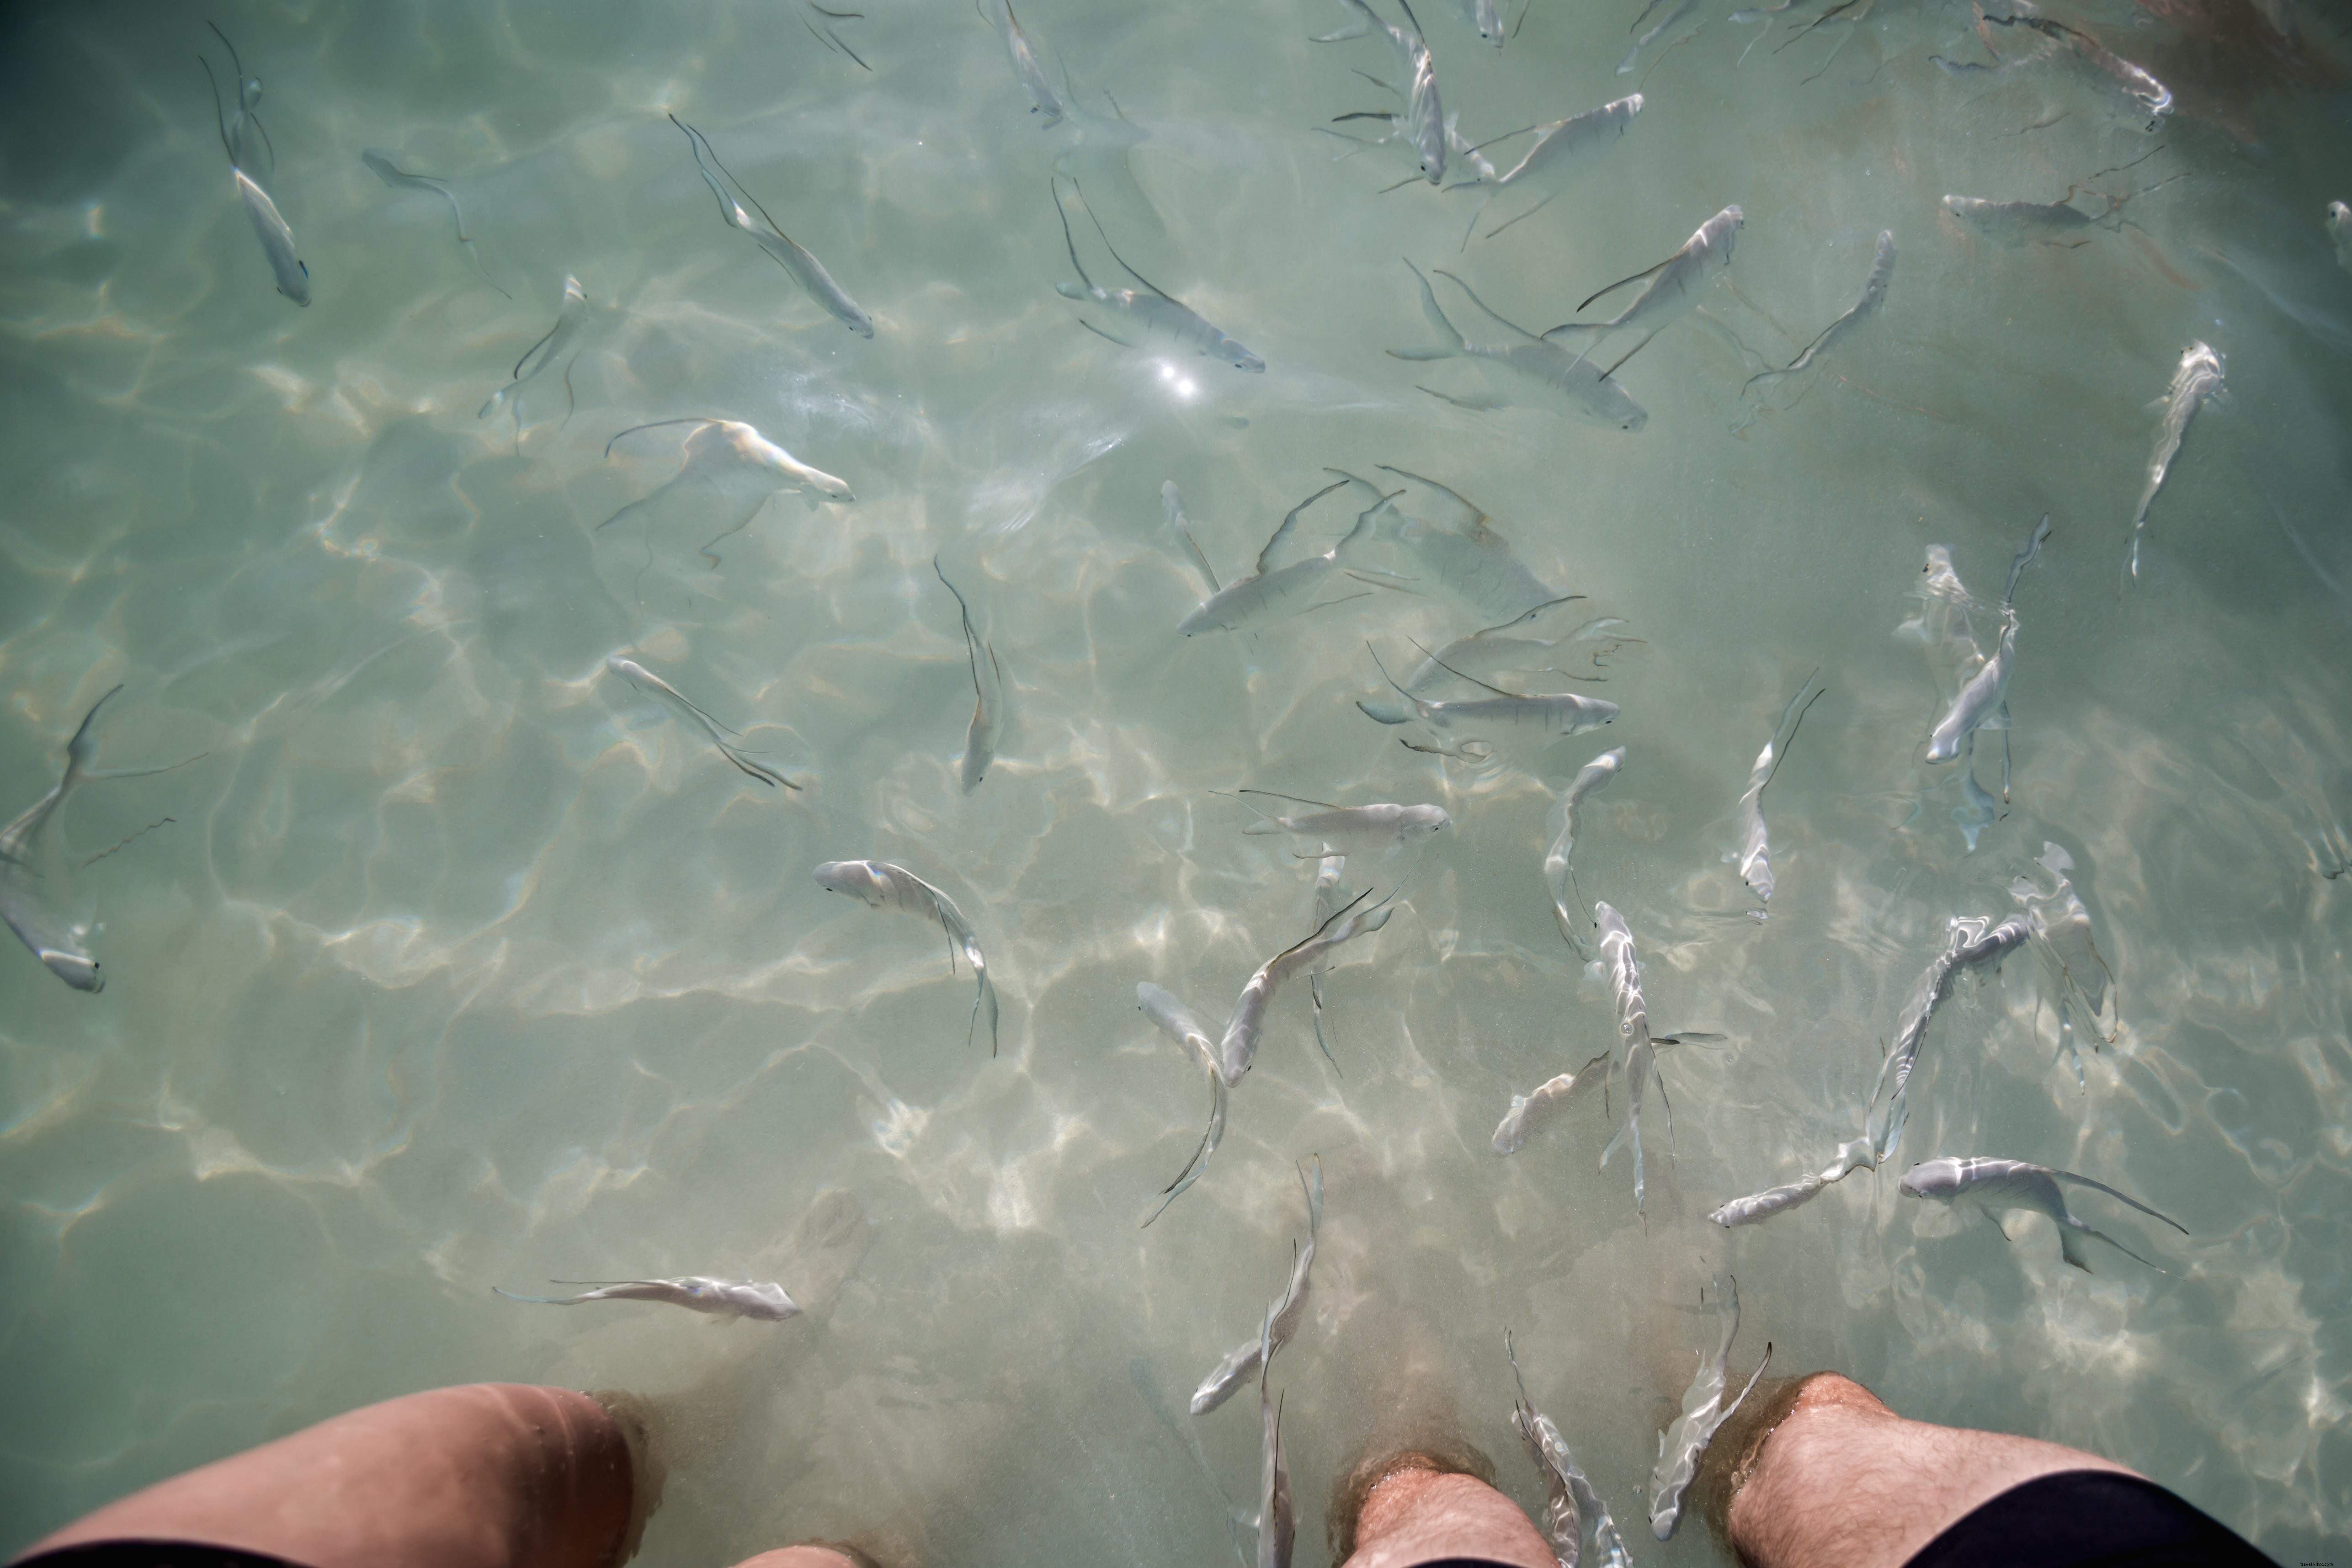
x=452 y=960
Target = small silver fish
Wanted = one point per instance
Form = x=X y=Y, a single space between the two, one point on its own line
x=1970 y=944
x=1043 y=100
x=637 y=675
x=1588 y=393
x=1563 y=1524
x=1273 y=593
x=2339 y=232
x=1982 y=702
x=1171 y=501
x=2013 y=1184
x=2143 y=97
x=393 y=174
x=1683 y=1442
x=277 y=239
x=1941 y=622
x=1559 y=713
x=1561 y=147
x=52 y=938
x=2197 y=379
x=2011 y=225
x=1329 y=899
x=1176 y=1020
x=570 y=316
x=1571 y=1503
x=987 y=728
x=1640 y=1058
x=1486 y=18
x=1679 y=13
x=1672 y=292
x=1485 y=653
x=1360 y=829
x=1593 y=776
x=1282 y=1317
x=1540 y=1104
x=782 y=248
x=719 y=454
x=762 y=1299
x=1874 y=295
x=1460 y=549
x=879 y=884
x=1239 y=1047
x=238 y=132
x=1852 y=1156
x=2070 y=953
x=1152 y=312
x=1422 y=122
x=1754 y=845
x=81 y=750
x=1277 y=1525
x=824 y=31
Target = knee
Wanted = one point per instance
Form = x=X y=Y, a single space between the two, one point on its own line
x=1417 y=1516
x=481 y=1476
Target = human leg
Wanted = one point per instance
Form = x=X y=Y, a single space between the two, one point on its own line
x=488 y=1475
x=1820 y=1474
x=1410 y=1508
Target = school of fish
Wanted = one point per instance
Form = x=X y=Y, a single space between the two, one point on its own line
x=1490 y=699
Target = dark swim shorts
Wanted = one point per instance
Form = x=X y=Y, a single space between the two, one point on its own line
x=152 y=1554
x=2087 y=1518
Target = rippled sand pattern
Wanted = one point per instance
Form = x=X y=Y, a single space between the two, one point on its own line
x=462 y=962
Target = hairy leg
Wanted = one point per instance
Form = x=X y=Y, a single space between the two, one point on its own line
x=1827 y=1476
x=489 y=1475
x=1416 y=1514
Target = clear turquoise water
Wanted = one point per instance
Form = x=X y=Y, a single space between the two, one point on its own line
x=461 y=963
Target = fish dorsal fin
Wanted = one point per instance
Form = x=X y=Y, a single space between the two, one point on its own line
x=1472 y=679
x=1416 y=702
x=220 y=115
x=656 y=424
x=1295 y=800
x=1054 y=185
x=1265 y=556
x=1526 y=615
x=1780 y=745
x=773 y=228
x=970 y=642
x=1320 y=931
x=1107 y=245
x=1646 y=272
x=1472 y=295
x=1477 y=522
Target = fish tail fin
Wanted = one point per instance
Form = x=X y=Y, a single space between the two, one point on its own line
x=1361 y=28
x=1471 y=227
x=2120 y=1198
x=1315 y=989
x=983 y=999
x=1531 y=212
x=2070 y=1245
x=1456 y=343
x=536 y=1301
x=2067 y=1234
x=1614 y=1144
